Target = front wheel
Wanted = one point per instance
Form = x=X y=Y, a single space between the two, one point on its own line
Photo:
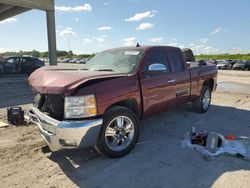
x=119 y=132
x=202 y=103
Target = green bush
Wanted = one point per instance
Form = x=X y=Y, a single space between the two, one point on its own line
x=224 y=56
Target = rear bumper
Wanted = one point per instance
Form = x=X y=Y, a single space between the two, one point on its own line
x=66 y=134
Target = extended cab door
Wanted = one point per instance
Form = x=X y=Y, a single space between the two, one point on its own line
x=158 y=88
x=181 y=75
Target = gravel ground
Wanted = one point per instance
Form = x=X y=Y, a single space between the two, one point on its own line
x=158 y=160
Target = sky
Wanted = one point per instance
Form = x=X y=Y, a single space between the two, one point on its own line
x=205 y=26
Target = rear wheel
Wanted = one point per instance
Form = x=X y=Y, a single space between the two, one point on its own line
x=119 y=132
x=202 y=103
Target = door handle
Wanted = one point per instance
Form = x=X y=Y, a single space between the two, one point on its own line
x=171 y=81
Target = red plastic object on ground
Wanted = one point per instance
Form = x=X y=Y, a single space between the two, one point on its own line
x=230 y=137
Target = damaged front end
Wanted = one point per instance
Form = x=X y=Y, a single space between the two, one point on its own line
x=65 y=134
x=50 y=104
x=64 y=119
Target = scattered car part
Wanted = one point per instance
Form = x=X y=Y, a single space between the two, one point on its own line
x=212 y=142
x=15 y=115
x=198 y=138
x=2 y=124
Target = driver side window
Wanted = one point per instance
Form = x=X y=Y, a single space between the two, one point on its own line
x=158 y=59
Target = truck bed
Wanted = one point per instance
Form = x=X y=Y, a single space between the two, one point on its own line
x=199 y=72
x=196 y=64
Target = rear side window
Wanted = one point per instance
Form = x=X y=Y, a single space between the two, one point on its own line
x=10 y=61
x=25 y=62
x=176 y=60
x=158 y=56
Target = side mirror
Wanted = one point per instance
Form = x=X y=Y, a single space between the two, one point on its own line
x=157 y=67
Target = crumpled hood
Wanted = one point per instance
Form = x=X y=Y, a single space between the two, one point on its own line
x=54 y=80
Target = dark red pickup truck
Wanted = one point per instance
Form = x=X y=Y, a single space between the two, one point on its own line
x=102 y=104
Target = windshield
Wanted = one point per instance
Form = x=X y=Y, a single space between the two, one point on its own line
x=122 y=61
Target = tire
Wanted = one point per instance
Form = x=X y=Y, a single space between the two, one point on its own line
x=202 y=103
x=117 y=138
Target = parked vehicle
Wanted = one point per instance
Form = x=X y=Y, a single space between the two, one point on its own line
x=247 y=65
x=241 y=65
x=73 y=60
x=20 y=65
x=224 y=64
x=213 y=61
x=81 y=61
x=232 y=62
x=66 y=60
x=103 y=103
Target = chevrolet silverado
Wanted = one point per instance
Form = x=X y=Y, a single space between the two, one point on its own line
x=102 y=103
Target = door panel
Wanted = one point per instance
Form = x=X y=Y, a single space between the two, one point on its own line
x=182 y=81
x=158 y=88
x=158 y=94
x=182 y=75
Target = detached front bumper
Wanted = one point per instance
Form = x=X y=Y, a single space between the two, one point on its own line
x=66 y=134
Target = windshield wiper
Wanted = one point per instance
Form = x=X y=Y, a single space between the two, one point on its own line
x=105 y=70
x=84 y=69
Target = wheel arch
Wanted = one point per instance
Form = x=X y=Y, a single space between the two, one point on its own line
x=131 y=104
x=209 y=83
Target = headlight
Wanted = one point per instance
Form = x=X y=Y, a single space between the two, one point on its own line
x=80 y=107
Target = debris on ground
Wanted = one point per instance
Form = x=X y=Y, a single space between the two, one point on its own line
x=2 y=124
x=15 y=115
x=214 y=144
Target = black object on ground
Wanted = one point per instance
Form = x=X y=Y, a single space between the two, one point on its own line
x=198 y=138
x=15 y=115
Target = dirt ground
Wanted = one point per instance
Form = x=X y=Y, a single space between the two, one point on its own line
x=158 y=160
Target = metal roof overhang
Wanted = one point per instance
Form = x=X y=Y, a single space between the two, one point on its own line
x=10 y=8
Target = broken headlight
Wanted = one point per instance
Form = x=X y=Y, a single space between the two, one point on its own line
x=80 y=107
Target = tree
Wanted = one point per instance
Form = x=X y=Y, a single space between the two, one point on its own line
x=35 y=53
x=44 y=54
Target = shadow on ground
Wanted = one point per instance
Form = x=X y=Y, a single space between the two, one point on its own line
x=158 y=159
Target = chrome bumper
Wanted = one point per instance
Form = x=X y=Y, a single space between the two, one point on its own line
x=66 y=134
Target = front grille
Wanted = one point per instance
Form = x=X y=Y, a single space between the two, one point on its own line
x=52 y=105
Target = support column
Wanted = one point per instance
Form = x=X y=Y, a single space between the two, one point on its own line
x=51 y=29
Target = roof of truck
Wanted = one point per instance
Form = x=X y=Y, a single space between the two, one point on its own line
x=140 y=47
